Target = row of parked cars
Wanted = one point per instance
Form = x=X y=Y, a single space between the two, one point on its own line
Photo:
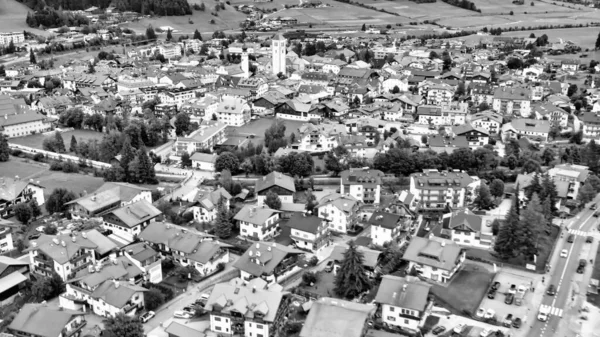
x=185 y=313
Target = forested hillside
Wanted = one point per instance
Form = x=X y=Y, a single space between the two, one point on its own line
x=156 y=7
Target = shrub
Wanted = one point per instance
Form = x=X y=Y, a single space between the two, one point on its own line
x=38 y=157
x=56 y=166
x=70 y=167
x=16 y=152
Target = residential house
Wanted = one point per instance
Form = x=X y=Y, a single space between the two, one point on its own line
x=364 y=184
x=308 y=231
x=512 y=101
x=533 y=129
x=145 y=258
x=207 y=137
x=436 y=260
x=555 y=115
x=332 y=317
x=128 y=221
x=405 y=302
x=109 y=196
x=233 y=111
x=296 y=110
x=440 y=94
x=386 y=227
x=14 y=278
x=278 y=183
x=269 y=261
x=571 y=65
x=316 y=138
x=41 y=320
x=436 y=190
x=447 y=143
x=487 y=120
x=185 y=247
x=6 y=239
x=204 y=161
x=16 y=119
x=340 y=211
x=477 y=137
x=249 y=310
x=205 y=204
x=591 y=125
x=258 y=223
x=14 y=191
x=466 y=228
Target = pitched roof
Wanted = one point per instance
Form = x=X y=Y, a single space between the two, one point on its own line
x=462 y=218
x=116 y=293
x=344 y=203
x=41 y=320
x=11 y=188
x=136 y=213
x=329 y=317
x=464 y=128
x=6 y=262
x=175 y=237
x=263 y=257
x=371 y=257
x=442 y=255
x=140 y=251
x=254 y=214
x=305 y=223
x=11 y=280
x=275 y=179
x=385 y=219
x=176 y=329
x=62 y=248
x=107 y=194
x=361 y=176
x=210 y=200
x=402 y=292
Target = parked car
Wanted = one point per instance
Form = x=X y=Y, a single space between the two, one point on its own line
x=581 y=266
x=40 y=229
x=204 y=298
x=509 y=298
x=147 y=316
x=551 y=290
x=521 y=289
x=438 y=330
x=589 y=239
x=459 y=328
x=491 y=294
x=329 y=266
x=486 y=332
x=513 y=289
x=597 y=214
x=594 y=206
x=516 y=323
x=571 y=238
x=182 y=314
x=480 y=313
x=496 y=285
x=490 y=313
x=564 y=253
x=34 y=236
x=508 y=321
x=190 y=310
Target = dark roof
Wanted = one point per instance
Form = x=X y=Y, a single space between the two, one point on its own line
x=305 y=223
x=263 y=257
x=40 y=320
x=400 y=292
x=275 y=179
x=385 y=219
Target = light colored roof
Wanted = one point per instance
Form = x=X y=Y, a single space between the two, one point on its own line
x=54 y=248
x=361 y=177
x=136 y=213
x=204 y=157
x=6 y=261
x=11 y=188
x=329 y=317
x=344 y=203
x=108 y=194
x=254 y=214
x=41 y=320
x=11 y=280
x=175 y=237
x=211 y=199
x=464 y=218
x=270 y=254
x=442 y=255
x=275 y=179
x=176 y=329
x=116 y=295
x=402 y=292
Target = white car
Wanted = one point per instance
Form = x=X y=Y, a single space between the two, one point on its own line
x=40 y=229
x=490 y=313
x=564 y=253
x=480 y=313
x=459 y=328
x=147 y=316
x=485 y=333
x=182 y=314
x=521 y=289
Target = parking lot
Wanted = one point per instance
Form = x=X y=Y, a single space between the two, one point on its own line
x=498 y=304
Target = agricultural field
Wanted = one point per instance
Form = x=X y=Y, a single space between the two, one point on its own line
x=584 y=37
x=257 y=129
x=520 y=19
x=505 y=6
x=24 y=168
x=425 y=11
x=36 y=141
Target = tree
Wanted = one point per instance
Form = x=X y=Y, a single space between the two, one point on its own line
x=548 y=156
x=23 y=212
x=484 y=106
x=185 y=160
x=59 y=142
x=506 y=244
x=153 y=299
x=272 y=200
x=586 y=193
x=58 y=199
x=247 y=166
x=122 y=325
x=182 y=123
x=169 y=35
x=311 y=202
x=395 y=90
x=576 y=138
x=531 y=227
x=572 y=90
x=594 y=181
x=197 y=35
x=46 y=288
x=127 y=156
x=4 y=149
x=223 y=225
x=150 y=33
x=351 y=279
x=495 y=227
x=497 y=188
x=484 y=198
x=364 y=27
x=32 y=58
x=598 y=42
x=91 y=68
x=35 y=208
x=73 y=145
x=227 y=161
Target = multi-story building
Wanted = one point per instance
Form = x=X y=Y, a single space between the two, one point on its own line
x=440 y=94
x=323 y=137
x=332 y=317
x=16 y=119
x=591 y=125
x=109 y=196
x=278 y=183
x=465 y=228
x=555 y=115
x=385 y=227
x=534 y=129
x=363 y=184
x=435 y=190
x=512 y=101
x=477 y=137
x=249 y=310
x=6 y=239
x=15 y=37
x=40 y=320
x=233 y=111
x=176 y=97
x=308 y=231
x=128 y=221
x=258 y=223
x=185 y=247
x=15 y=191
x=209 y=135
x=340 y=211
x=66 y=255
x=434 y=259
x=206 y=202
x=269 y=261
x=404 y=302
x=145 y=258
x=487 y=120
x=482 y=93
x=569 y=179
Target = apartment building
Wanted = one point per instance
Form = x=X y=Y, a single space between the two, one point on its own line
x=128 y=221
x=209 y=135
x=176 y=97
x=487 y=120
x=109 y=196
x=205 y=204
x=385 y=227
x=512 y=101
x=269 y=261
x=258 y=223
x=363 y=184
x=249 y=310
x=477 y=137
x=434 y=259
x=340 y=211
x=591 y=125
x=233 y=111
x=534 y=129
x=435 y=190
x=14 y=191
x=16 y=119
x=569 y=178
x=322 y=137
x=404 y=302
x=308 y=231
x=557 y=116
x=15 y=37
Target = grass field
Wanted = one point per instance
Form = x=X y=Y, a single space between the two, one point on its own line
x=520 y=19
x=258 y=127
x=77 y=183
x=12 y=17
x=424 y=11
x=36 y=141
x=466 y=290
x=20 y=167
x=505 y=6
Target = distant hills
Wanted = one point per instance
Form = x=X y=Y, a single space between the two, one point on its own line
x=156 y=7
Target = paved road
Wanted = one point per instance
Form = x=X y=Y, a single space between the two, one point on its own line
x=563 y=272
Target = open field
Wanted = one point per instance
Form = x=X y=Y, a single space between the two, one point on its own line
x=520 y=19
x=258 y=127
x=583 y=37
x=77 y=183
x=20 y=167
x=36 y=141
x=503 y=6
x=424 y=11
x=227 y=19
x=12 y=17
x=466 y=290
x=279 y=4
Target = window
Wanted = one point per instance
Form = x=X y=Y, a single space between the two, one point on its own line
x=259 y=326
x=218 y=319
x=391 y=318
x=218 y=328
x=406 y=322
x=392 y=309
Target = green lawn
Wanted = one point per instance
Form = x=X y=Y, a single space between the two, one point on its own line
x=255 y=130
x=36 y=141
x=74 y=182
x=20 y=167
x=465 y=291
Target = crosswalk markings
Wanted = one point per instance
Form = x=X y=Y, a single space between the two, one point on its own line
x=553 y=310
x=578 y=232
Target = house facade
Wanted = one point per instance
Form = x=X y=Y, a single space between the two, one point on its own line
x=340 y=211
x=404 y=302
x=435 y=190
x=362 y=184
x=434 y=260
